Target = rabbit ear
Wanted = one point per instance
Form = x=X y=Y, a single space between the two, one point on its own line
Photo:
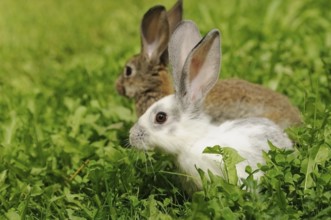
x=175 y=15
x=182 y=41
x=154 y=33
x=200 y=72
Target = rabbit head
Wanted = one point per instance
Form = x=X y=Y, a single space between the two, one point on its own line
x=145 y=77
x=175 y=118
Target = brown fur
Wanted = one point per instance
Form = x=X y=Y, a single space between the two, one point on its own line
x=234 y=98
x=147 y=88
x=146 y=99
x=150 y=80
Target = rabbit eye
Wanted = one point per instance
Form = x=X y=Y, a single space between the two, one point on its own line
x=161 y=117
x=128 y=71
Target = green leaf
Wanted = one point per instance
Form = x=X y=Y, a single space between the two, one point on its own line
x=318 y=155
x=13 y=215
x=230 y=158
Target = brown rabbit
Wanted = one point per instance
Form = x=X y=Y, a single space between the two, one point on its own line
x=146 y=78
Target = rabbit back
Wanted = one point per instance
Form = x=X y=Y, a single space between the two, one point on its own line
x=233 y=98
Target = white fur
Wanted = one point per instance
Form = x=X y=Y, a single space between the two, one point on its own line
x=186 y=139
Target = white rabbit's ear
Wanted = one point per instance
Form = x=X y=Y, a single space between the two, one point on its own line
x=182 y=41
x=154 y=33
x=201 y=70
x=175 y=15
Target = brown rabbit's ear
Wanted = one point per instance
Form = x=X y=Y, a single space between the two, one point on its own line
x=154 y=33
x=201 y=70
x=175 y=15
x=185 y=37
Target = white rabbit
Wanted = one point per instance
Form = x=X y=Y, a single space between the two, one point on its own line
x=177 y=125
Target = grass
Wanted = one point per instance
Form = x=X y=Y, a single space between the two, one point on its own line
x=64 y=129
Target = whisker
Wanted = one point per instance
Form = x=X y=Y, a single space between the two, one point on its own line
x=127 y=143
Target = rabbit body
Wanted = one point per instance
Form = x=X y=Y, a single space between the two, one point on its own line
x=234 y=98
x=177 y=124
x=185 y=137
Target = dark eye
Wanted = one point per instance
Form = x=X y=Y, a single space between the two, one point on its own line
x=128 y=71
x=161 y=117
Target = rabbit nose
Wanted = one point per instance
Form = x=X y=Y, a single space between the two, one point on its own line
x=119 y=87
x=137 y=136
x=134 y=135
